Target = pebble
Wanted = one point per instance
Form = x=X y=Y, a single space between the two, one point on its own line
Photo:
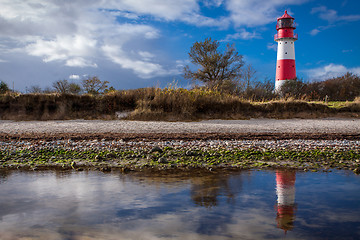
x=156 y=149
x=158 y=146
x=162 y=160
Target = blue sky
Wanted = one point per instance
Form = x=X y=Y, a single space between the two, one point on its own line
x=141 y=43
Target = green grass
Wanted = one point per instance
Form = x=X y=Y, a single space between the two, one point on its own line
x=339 y=104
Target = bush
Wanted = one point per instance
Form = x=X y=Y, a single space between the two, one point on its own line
x=294 y=88
x=260 y=91
x=3 y=87
x=343 y=88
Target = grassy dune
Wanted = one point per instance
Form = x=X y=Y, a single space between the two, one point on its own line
x=164 y=104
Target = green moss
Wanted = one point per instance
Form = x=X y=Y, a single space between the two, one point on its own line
x=312 y=159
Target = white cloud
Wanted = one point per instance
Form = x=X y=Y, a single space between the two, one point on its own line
x=186 y=11
x=272 y=46
x=325 y=14
x=72 y=33
x=164 y=9
x=142 y=68
x=124 y=14
x=242 y=34
x=79 y=62
x=125 y=32
x=71 y=49
x=329 y=71
x=242 y=13
x=213 y=3
x=200 y=20
x=331 y=15
x=256 y=12
x=74 y=77
x=314 y=32
x=146 y=55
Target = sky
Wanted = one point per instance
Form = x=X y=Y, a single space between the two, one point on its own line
x=145 y=43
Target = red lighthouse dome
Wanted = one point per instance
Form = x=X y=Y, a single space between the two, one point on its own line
x=285 y=37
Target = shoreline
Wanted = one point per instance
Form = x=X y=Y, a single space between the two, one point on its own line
x=211 y=155
x=300 y=144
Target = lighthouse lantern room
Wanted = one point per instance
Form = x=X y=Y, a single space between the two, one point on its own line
x=285 y=37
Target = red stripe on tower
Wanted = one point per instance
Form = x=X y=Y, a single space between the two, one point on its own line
x=285 y=37
x=288 y=69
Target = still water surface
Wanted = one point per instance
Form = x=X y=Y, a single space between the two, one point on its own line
x=197 y=205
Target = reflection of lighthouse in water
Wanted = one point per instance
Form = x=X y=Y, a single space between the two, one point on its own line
x=285 y=190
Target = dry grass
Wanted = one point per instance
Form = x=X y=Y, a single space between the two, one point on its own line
x=171 y=104
x=55 y=106
x=182 y=104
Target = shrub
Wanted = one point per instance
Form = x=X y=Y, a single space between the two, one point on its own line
x=3 y=87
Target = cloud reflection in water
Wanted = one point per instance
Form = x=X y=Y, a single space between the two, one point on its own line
x=95 y=205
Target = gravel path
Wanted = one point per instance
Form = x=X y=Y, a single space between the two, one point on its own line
x=351 y=126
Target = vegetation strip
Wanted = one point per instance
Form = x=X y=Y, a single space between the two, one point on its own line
x=169 y=104
x=135 y=157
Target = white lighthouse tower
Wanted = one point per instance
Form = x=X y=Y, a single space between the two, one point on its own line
x=285 y=37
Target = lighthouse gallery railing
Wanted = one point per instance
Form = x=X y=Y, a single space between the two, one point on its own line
x=295 y=36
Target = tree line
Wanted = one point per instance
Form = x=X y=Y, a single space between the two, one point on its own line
x=91 y=85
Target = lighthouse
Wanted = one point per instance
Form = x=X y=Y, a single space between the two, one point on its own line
x=286 y=207
x=285 y=37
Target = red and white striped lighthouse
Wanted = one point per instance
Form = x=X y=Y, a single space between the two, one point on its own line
x=285 y=37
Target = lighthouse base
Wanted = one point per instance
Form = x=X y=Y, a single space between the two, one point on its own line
x=279 y=84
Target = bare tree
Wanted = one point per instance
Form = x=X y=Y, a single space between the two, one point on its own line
x=61 y=86
x=215 y=67
x=94 y=85
x=48 y=90
x=34 y=89
x=248 y=76
x=64 y=87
